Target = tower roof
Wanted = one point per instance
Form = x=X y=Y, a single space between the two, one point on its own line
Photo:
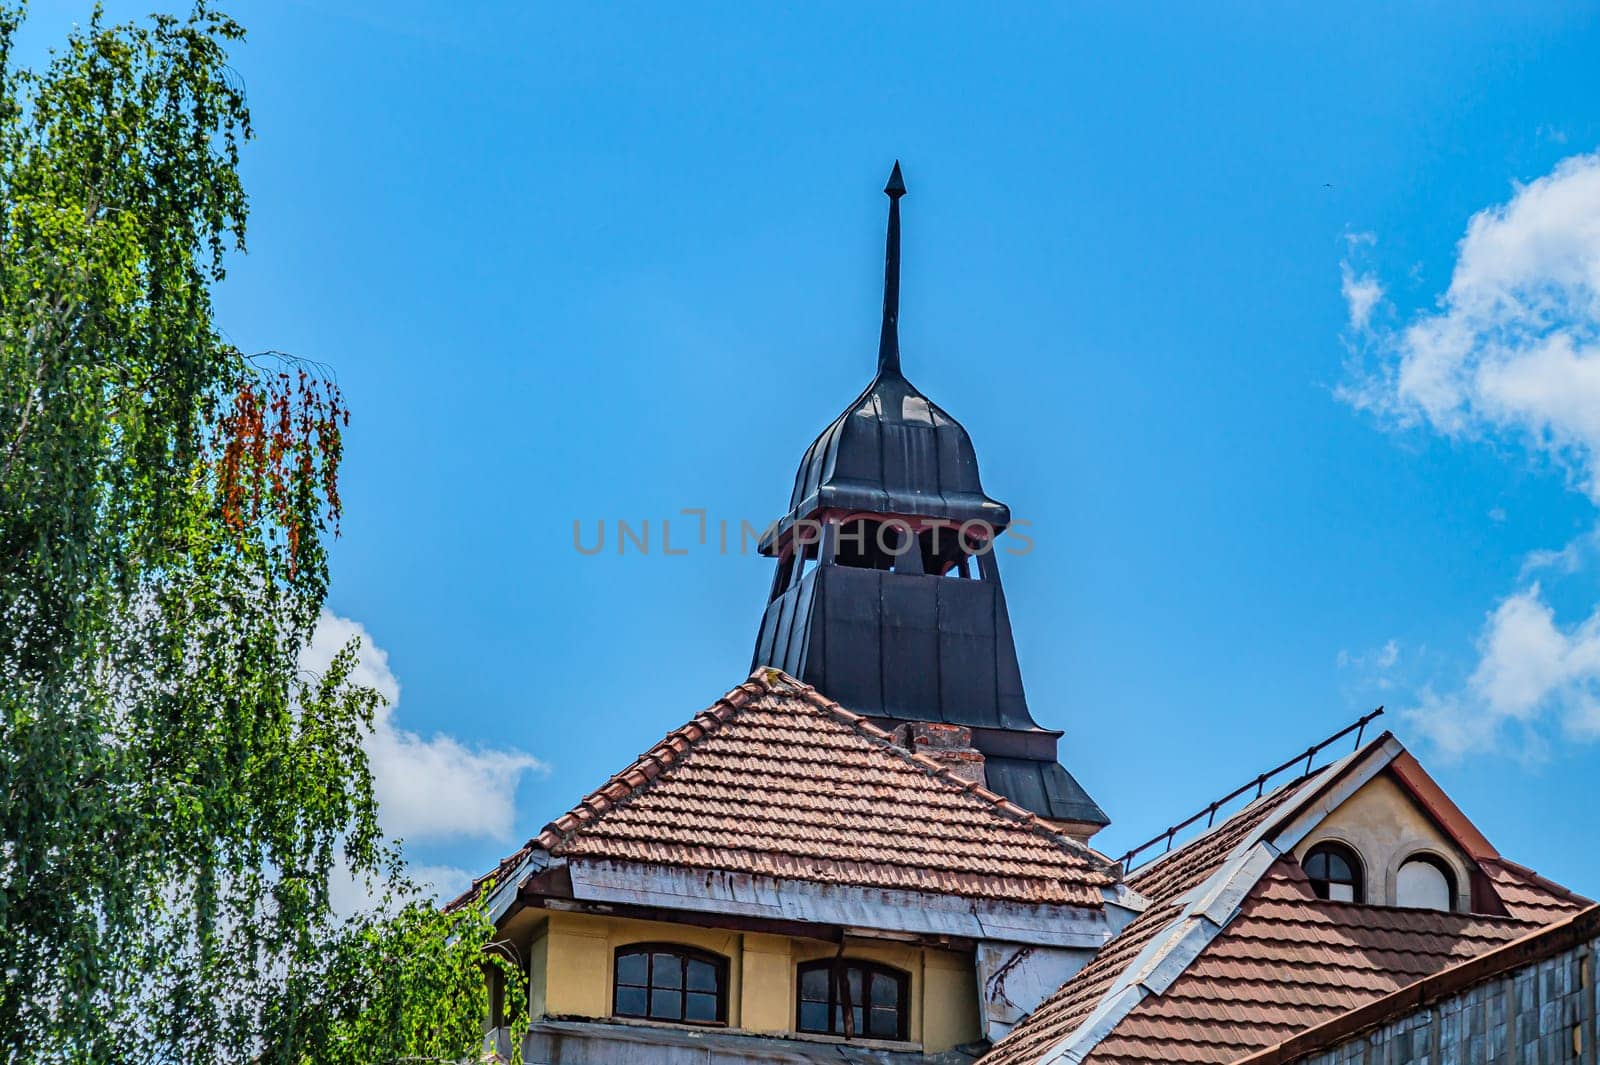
x=916 y=630
x=892 y=450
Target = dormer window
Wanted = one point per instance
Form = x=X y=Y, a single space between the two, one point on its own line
x=1425 y=883
x=1334 y=872
x=666 y=982
x=850 y=997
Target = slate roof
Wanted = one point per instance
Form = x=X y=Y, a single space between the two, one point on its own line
x=1289 y=961
x=776 y=780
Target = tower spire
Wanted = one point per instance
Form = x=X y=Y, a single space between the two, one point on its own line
x=889 y=340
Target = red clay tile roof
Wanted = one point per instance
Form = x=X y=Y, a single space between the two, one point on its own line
x=1161 y=881
x=1172 y=874
x=776 y=780
x=1289 y=961
x=1530 y=896
x=1059 y=1015
x=1414 y=999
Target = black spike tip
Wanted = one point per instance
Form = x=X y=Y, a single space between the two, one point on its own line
x=889 y=340
x=896 y=187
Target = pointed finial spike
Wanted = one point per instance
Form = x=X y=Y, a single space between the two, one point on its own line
x=889 y=339
x=896 y=187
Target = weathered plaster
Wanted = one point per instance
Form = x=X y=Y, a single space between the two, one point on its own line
x=571 y=974
x=1015 y=978
x=1382 y=824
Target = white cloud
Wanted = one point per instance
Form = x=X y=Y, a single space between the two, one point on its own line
x=1514 y=345
x=1380 y=660
x=1531 y=671
x=349 y=894
x=1388 y=655
x=427 y=788
x=1362 y=292
x=1576 y=555
x=1511 y=351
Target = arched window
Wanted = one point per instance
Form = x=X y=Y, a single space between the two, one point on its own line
x=850 y=997
x=667 y=982
x=1425 y=883
x=1335 y=872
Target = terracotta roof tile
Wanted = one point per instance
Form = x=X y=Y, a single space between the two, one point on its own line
x=1178 y=871
x=1160 y=881
x=776 y=780
x=1060 y=1014
x=1285 y=962
x=1289 y=961
x=1529 y=895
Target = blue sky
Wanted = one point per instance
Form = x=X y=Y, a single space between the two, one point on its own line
x=1186 y=276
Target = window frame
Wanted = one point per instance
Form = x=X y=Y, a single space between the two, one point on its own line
x=841 y=966
x=685 y=954
x=1358 y=870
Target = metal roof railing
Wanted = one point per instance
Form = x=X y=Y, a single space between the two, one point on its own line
x=1359 y=727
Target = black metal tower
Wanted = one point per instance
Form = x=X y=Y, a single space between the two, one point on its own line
x=887 y=595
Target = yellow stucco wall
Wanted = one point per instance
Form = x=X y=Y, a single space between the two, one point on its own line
x=949 y=1000
x=1385 y=827
x=538 y=959
x=766 y=992
x=570 y=967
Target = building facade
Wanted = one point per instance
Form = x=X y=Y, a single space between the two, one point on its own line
x=870 y=850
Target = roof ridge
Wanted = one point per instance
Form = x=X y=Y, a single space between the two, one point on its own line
x=1331 y=771
x=644 y=770
x=779 y=681
x=1215 y=830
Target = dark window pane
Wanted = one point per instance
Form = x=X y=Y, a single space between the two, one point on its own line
x=813 y=1016
x=699 y=1007
x=885 y=990
x=666 y=1005
x=1317 y=865
x=630 y=969
x=885 y=1024
x=1339 y=870
x=630 y=1001
x=814 y=985
x=666 y=971
x=860 y=1017
x=702 y=975
x=855 y=985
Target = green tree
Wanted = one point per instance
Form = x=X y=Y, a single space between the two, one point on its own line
x=175 y=795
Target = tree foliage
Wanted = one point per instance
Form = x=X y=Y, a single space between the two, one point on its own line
x=176 y=796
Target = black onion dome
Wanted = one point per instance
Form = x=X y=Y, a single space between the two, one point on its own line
x=893 y=451
x=928 y=640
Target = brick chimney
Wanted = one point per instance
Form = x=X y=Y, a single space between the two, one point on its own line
x=949 y=745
